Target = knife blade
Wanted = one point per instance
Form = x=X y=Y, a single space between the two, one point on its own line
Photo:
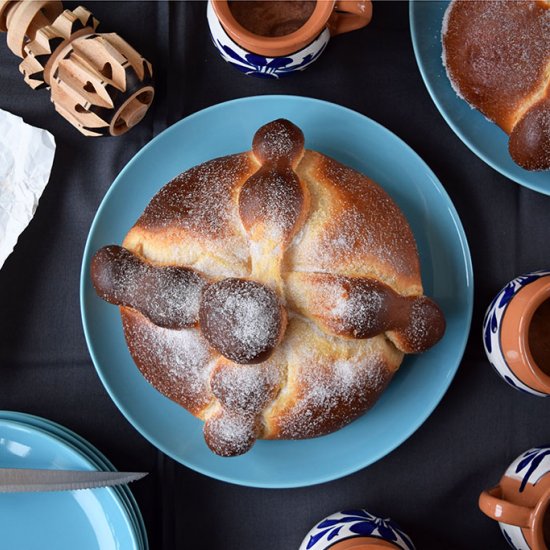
x=20 y=480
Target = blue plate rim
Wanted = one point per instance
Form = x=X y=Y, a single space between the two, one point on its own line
x=449 y=120
x=359 y=465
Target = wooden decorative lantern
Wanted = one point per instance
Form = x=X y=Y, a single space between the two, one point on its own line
x=98 y=82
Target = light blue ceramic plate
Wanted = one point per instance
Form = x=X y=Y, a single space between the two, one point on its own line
x=483 y=137
x=446 y=268
x=87 y=520
x=86 y=452
x=97 y=459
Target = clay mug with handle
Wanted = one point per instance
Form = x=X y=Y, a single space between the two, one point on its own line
x=521 y=501
x=287 y=38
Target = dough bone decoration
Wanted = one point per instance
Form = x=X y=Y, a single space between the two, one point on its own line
x=253 y=352
x=98 y=82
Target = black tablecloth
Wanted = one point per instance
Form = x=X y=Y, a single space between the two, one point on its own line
x=431 y=483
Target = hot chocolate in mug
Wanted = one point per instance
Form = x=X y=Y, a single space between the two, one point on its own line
x=273 y=38
x=521 y=501
x=356 y=530
x=516 y=333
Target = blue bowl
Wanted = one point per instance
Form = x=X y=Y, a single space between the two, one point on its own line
x=482 y=136
x=446 y=269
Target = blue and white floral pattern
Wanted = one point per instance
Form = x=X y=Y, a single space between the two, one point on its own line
x=514 y=536
x=259 y=65
x=528 y=468
x=491 y=330
x=354 y=523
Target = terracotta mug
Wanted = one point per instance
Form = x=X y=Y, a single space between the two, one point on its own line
x=521 y=501
x=516 y=333
x=275 y=56
x=356 y=530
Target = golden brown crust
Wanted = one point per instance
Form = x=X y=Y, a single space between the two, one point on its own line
x=285 y=222
x=354 y=228
x=497 y=56
x=193 y=221
x=201 y=200
x=177 y=363
x=330 y=381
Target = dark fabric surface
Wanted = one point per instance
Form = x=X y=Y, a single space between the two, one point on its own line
x=431 y=483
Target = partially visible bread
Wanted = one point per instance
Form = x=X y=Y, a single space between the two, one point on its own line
x=301 y=287
x=497 y=56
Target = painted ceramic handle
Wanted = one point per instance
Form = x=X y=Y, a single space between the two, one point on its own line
x=501 y=510
x=350 y=15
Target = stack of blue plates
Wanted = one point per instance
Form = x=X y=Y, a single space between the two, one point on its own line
x=98 y=519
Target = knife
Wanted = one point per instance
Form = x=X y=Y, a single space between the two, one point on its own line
x=19 y=480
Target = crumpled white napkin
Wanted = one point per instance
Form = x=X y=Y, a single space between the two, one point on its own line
x=26 y=158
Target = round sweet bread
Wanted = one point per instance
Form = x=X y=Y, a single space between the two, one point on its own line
x=497 y=56
x=272 y=293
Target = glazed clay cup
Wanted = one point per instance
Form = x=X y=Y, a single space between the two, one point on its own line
x=356 y=530
x=521 y=501
x=272 y=57
x=506 y=332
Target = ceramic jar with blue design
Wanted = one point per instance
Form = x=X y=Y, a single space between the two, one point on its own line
x=511 y=342
x=521 y=501
x=276 y=56
x=356 y=530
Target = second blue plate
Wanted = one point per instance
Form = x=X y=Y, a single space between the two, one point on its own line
x=482 y=136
